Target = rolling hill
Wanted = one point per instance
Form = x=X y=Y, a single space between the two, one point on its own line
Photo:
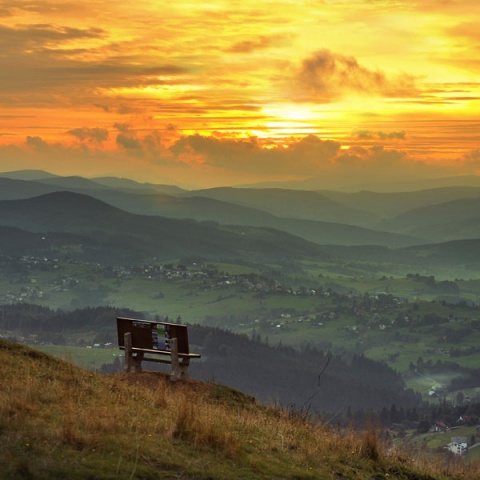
x=396 y=203
x=203 y=208
x=138 y=236
x=127 y=185
x=455 y=220
x=27 y=174
x=299 y=204
x=327 y=218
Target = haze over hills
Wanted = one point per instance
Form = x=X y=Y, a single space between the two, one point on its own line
x=105 y=232
x=454 y=220
x=126 y=184
x=395 y=203
x=300 y=204
x=203 y=208
x=143 y=236
x=361 y=218
x=28 y=174
x=76 y=182
x=382 y=186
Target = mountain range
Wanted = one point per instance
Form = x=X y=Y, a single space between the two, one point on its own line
x=270 y=222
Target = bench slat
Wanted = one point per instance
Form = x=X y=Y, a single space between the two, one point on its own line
x=166 y=352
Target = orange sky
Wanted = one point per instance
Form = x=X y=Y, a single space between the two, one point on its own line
x=236 y=92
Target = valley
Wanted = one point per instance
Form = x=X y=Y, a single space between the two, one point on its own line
x=386 y=303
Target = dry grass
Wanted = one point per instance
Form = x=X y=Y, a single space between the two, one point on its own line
x=58 y=421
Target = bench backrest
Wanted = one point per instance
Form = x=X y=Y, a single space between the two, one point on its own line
x=152 y=335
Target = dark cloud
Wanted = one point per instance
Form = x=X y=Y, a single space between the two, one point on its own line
x=36 y=142
x=304 y=157
x=326 y=75
x=376 y=158
x=391 y=135
x=369 y=135
x=105 y=108
x=129 y=142
x=259 y=43
x=124 y=109
x=39 y=36
x=39 y=58
x=96 y=134
x=122 y=127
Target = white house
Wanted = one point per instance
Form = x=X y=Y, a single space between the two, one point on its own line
x=458 y=445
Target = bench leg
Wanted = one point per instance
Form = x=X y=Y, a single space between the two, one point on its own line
x=131 y=360
x=179 y=368
x=137 y=361
x=127 y=339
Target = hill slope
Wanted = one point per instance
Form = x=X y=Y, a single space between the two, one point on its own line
x=58 y=421
x=136 y=236
x=297 y=204
x=454 y=220
x=396 y=203
x=208 y=209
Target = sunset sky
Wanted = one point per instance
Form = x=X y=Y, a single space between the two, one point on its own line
x=236 y=92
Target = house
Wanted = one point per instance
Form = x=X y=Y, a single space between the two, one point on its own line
x=458 y=445
x=439 y=427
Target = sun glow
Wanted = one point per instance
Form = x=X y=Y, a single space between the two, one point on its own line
x=116 y=87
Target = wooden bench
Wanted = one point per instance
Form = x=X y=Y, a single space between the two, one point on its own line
x=145 y=340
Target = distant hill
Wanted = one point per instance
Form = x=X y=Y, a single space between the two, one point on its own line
x=125 y=184
x=203 y=208
x=455 y=220
x=133 y=237
x=299 y=204
x=72 y=182
x=27 y=174
x=363 y=218
x=14 y=189
x=395 y=203
x=384 y=186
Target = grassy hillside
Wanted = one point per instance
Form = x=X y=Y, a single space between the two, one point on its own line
x=58 y=421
